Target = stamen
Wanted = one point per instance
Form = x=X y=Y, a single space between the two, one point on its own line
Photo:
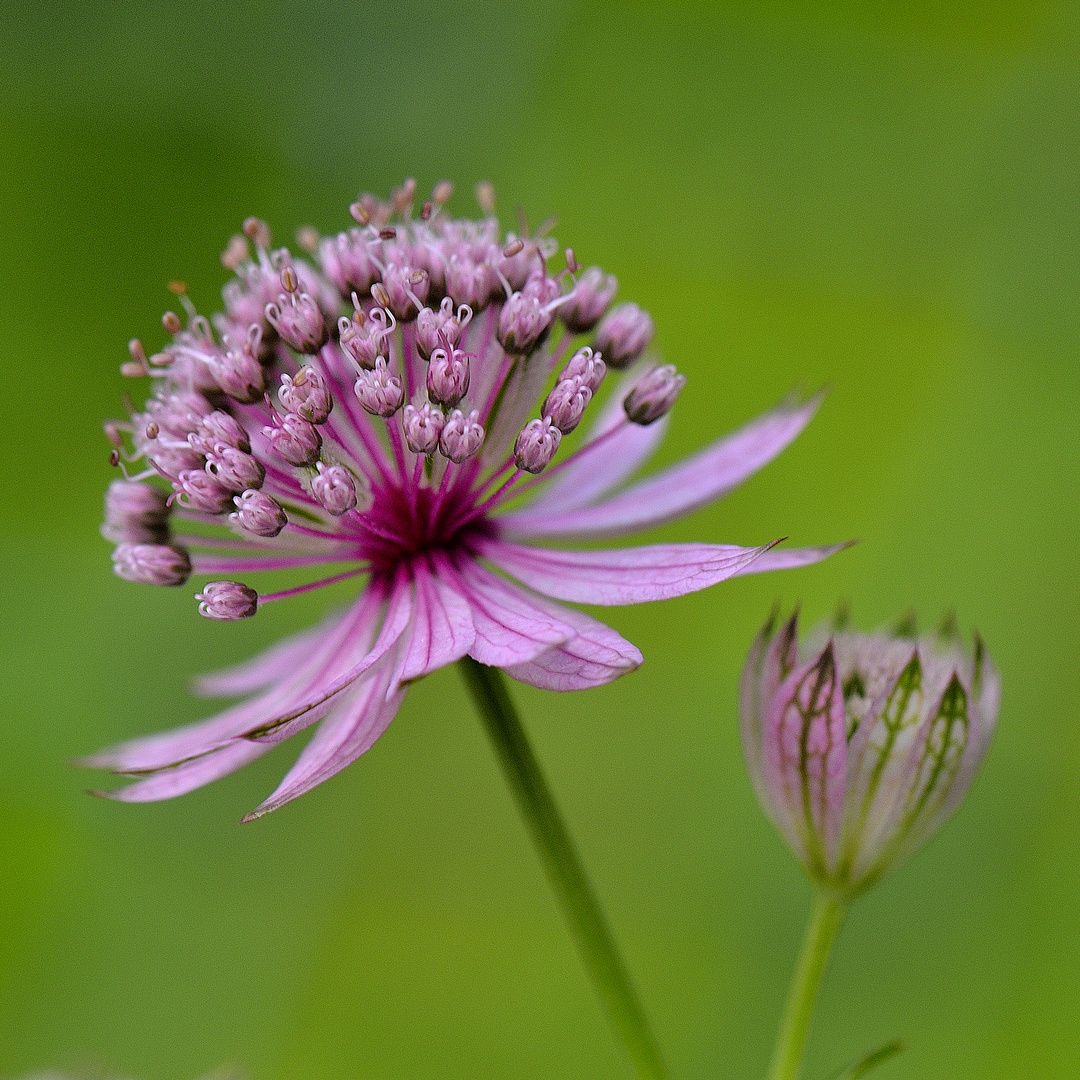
x=311 y=585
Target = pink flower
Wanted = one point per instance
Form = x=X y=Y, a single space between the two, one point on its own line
x=436 y=508
x=861 y=745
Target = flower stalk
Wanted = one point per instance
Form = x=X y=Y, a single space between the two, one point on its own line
x=821 y=932
x=572 y=887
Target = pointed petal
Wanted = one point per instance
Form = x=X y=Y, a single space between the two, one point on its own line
x=594 y=473
x=348 y=732
x=753 y=693
x=805 y=760
x=777 y=558
x=620 y=576
x=442 y=627
x=169 y=748
x=266 y=668
x=181 y=779
x=677 y=490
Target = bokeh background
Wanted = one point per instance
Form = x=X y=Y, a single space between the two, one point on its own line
x=879 y=197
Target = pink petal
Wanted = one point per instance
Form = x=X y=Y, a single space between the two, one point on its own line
x=511 y=626
x=350 y=730
x=595 y=655
x=677 y=490
x=266 y=668
x=620 y=576
x=181 y=779
x=776 y=558
x=594 y=473
x=442 y=627
x=170 y=748
x=805 y=759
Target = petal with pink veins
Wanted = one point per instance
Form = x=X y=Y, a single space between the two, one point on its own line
x=674 y=491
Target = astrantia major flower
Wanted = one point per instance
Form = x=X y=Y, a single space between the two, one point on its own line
x=395 y=411
x=861 y=745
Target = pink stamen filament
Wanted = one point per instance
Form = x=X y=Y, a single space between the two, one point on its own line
x=312 y=585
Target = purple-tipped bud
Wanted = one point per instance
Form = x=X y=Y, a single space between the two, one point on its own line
x=587 y=367
x=566 y=404
x=234 y=469
x=422 y=426
x=624 y=335
x=203 y=492
x=346 y=259
x=152 y=564
x=294 y=439
x=653 y=396
x=522 y=322
x=334 y=488
x=592 y=294
x=379 y=391
x=227 y=601
x=433 y=326
x=306 y=395
x=404 y=288
x=219 y=429
x=536 y=445
x=256 y=512
x=462 y=436
x=238 y=372
x=363 y=336
x=861 y=745
x=448 y=376
x=135 y=513
x=297 y=318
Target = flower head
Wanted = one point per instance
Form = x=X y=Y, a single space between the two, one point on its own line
x=393 y=415
x=861 y=745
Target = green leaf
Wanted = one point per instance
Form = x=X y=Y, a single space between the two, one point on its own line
x=870 y=1061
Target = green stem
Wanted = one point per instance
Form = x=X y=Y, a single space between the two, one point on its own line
x=563 y=866
x=828 y=914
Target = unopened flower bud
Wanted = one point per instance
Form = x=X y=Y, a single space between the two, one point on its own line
x=234 y=469
x=624 y=335
x=298 y=319
x=363 y=336
x=238 y=372
x=203 y=492
x=256 y=512
x=422 y=427
x=586 y=366
x=306 y=394
x=219 y=429
x=432 y=327
x=379 y=391
x=517 y=261
x=405 y=289
x=566 y=404
x=294 y=439
x=226 y=601
x=334 y=488
x=861 y=746
x=135 y=513
x=522 y=321
x=536 y=445
x=346 y=259
x=592 y=294
x=462 y=436
x=653 y=396
x=152 y=564
x=471 y=278
x=448 y=376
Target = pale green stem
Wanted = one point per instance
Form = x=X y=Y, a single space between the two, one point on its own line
x=563 y=866
x=828 y=914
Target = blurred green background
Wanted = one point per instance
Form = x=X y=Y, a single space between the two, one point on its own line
x=883 y=198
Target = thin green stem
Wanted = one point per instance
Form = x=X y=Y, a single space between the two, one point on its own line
x=563 y=866
x=828 y=914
